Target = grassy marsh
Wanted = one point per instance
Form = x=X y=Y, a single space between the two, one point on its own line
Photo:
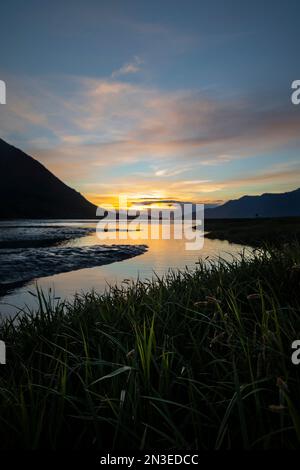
x=197 y=360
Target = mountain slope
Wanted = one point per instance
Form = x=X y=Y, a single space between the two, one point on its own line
x=29 y=190
x=266 y=205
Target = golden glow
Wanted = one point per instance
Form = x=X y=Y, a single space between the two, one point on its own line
x=134 y=201
x=156 y=196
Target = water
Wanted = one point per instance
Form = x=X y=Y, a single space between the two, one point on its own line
x=161 y=256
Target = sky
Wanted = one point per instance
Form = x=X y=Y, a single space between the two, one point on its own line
x=164 y=100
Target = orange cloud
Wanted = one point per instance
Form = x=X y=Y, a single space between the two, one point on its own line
x=105 y=124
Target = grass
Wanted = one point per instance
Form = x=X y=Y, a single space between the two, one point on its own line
x=197 y=360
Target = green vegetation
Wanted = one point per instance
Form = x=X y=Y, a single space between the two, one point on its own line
x=254 y=232
x=197 y=360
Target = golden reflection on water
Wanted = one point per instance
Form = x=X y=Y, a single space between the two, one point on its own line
x=161 y=256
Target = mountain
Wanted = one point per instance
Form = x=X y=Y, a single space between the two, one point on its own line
x=266 y=205
x=29 y=190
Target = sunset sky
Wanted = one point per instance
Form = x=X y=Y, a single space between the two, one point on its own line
x=160 y=100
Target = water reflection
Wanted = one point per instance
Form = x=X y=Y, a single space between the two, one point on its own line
x=161 y=256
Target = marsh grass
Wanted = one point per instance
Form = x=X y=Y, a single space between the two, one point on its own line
x=197 y=359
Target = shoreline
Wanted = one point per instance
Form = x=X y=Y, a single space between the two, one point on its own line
x=33 y=263
x=257 y=232
x=32 y=251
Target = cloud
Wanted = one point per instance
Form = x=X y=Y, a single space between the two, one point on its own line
x=122 y=119
x=129 y=68
x=116 y=135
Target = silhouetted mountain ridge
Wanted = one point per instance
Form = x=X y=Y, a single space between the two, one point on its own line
x=267 y=205
x=29 y=190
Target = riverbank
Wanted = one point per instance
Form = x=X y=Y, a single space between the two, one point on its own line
x=30 y=251
x=32 y=263
x=199 y=360
x=254 y=232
